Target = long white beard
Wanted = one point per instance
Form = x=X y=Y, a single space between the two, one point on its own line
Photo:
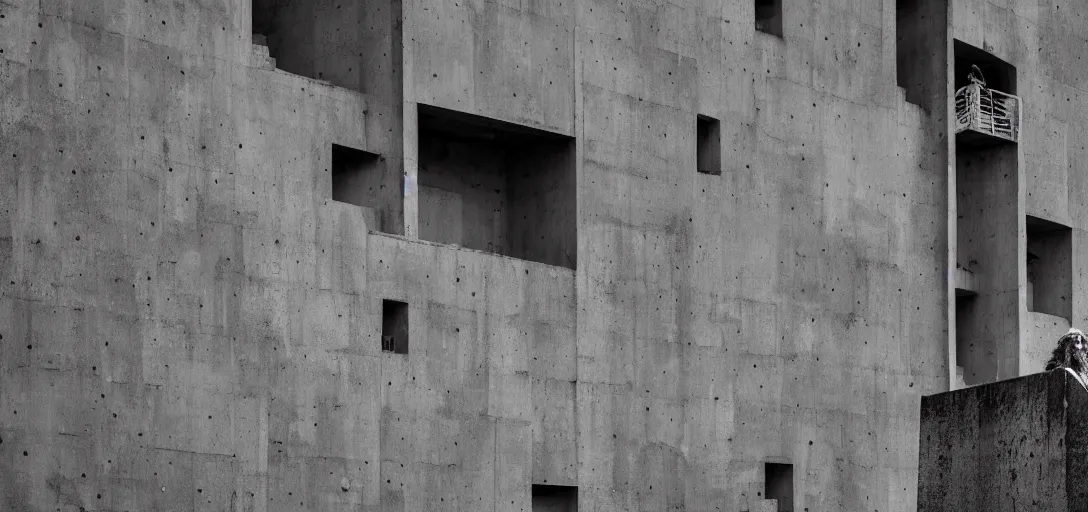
x=1080 y=363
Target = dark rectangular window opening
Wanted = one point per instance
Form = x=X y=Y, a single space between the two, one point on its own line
x=769 y=17
x=973 y=363
x=1049 y=268
x=394 y=326
x=779 y=485
x=999 y=75
x=263 y=20
x=357 y=179
x=270 y=27
x=911 y=48
x=986 y=222
x=496 y=186
x=555 y=498
x=298 y=36
x=708 y=145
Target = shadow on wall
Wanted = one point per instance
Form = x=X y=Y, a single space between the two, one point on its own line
x=1049 y=268
x=325 y=40
x=555 y=498
x=496 y=186
x=769 y=17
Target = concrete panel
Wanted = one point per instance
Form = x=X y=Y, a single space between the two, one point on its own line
x=987 y=245
x=510 y=62
x=1039 y=340
x=1004 y=446
x=165 y=193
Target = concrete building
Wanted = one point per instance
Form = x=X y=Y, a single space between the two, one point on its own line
x=430 y=255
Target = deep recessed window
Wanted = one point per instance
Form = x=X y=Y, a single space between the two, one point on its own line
x=357 y=179
x=496 y=186
x=972 y=361
x=779 y=485
x=272 y=26
x=263 y=18
x=555 y=498
x=1049 y=268
x=769 y=16
x=708 y=145
x=910 y=48
x=394 y=326
x=295 y=34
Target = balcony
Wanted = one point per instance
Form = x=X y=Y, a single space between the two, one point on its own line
x=988 y=112
x=983 y=112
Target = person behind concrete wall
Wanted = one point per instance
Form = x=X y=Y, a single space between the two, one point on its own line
x=1071 y=354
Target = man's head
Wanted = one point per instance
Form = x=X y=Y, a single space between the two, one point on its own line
x=1071 y=352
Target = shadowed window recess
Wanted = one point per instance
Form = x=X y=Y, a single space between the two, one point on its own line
x=345 y=44
x=708 y=145
x=913 y=49
x=555 y=498
x=498 y=187
x=357 y=180
x=967 y=372
x=1049 y=262
x=275 y=27
x=779 y=485
x=769 y=16
x=394 y=326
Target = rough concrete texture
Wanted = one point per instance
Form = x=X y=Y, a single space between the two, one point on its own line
x=188 y=322
x=1044 y=41
x=1013 y=445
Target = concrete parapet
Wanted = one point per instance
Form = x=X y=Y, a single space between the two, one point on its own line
x=1017 y=444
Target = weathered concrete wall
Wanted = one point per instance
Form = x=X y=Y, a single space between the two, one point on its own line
x=470 y=412
x=988 y=222
x=170 y=257
x=1013 y=445
x=1044 y=41
x=1040 y=338
x=707 y=304
x=355 y=45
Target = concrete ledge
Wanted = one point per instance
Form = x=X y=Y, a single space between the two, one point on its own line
x=965 y=280
x=1019 y=444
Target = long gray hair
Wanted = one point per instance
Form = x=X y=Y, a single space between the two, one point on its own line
x=1071 y=352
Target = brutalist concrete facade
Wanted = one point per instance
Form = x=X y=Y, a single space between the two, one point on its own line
x=1018 y=210
x=212 y=209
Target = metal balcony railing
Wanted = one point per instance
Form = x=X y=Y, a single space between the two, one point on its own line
x=988 y=111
